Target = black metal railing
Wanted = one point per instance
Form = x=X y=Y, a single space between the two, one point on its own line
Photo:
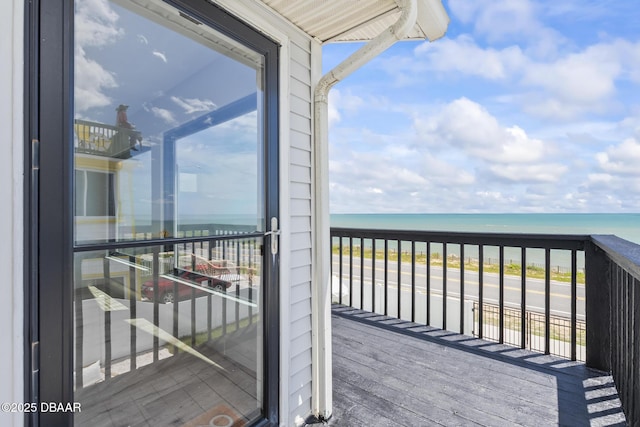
x=583 y=304
x=149 y=231
x=617 y=264
x=436 y=275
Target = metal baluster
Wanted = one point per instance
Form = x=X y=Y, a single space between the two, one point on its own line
x=331 y=239
x=373 y=275
x=523 y=298
x=574 y=301
x=462 y=288
x=386 y=276
x=428 y=272
x=480 y=291
x=362 y=273
x=444 y=285
x=340 y=271
x=350 y=271
x=501 y=297
x=547 y=300
x=413 y=281
x=399 y=279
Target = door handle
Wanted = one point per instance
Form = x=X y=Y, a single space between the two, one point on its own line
x=274 y=233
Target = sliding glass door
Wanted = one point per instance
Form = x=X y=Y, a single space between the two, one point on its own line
x=166 y=296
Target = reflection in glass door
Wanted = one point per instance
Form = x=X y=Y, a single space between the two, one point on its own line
x=170 y=208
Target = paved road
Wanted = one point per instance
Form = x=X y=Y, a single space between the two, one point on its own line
x=535 y=288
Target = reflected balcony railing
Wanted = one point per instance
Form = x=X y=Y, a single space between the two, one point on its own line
x=105 y=140
x=573 y=296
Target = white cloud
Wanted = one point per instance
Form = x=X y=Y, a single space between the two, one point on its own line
x=164 y=115
x=545 y=172
x=623 y=158
x=339 y=101
x=497 y=19
x=509 y=21
x=467 y=125
x=194 y=105
x=600 y=178
x=464 y=56
x=385 y=179
x=160 y=55
x=142 y=39
x=90 y=82
x=558 y=87
x=95 y=26
x=585 y=77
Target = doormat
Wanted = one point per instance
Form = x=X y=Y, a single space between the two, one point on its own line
x=218 y=416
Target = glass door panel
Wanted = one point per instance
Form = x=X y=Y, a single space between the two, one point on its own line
x=169 y=335
x=168 y=126
x=168 y=145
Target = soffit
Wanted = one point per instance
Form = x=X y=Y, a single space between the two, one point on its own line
x=358 y=20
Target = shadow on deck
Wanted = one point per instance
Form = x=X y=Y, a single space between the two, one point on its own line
x=390 y=372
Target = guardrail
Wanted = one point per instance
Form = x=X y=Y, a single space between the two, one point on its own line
x=392 y=272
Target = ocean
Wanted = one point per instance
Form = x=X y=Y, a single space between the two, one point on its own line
x=626 y=226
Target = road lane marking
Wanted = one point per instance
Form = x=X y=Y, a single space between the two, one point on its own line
x=439 y=267
x=456 y=295
x=485 y=285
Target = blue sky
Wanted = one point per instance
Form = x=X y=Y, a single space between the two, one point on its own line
x=524 y=106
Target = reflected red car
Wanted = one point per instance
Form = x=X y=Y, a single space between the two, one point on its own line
x=166 y=289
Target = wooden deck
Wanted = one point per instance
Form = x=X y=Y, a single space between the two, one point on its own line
x=389 y=372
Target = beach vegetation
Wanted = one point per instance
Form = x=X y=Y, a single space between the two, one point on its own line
x=470 y=264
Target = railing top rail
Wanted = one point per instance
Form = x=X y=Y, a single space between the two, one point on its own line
x=113 y=245
x=518 y=240
x=623 y=252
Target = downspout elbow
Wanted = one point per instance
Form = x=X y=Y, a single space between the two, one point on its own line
x=384 y=40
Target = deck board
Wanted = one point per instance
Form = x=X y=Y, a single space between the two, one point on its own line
x=392 y=372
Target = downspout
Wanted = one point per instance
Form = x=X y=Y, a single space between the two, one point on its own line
x=321 y=304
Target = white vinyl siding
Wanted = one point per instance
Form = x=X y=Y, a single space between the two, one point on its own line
x=300 y=374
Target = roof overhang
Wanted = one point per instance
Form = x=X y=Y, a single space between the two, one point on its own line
x=359 y=20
